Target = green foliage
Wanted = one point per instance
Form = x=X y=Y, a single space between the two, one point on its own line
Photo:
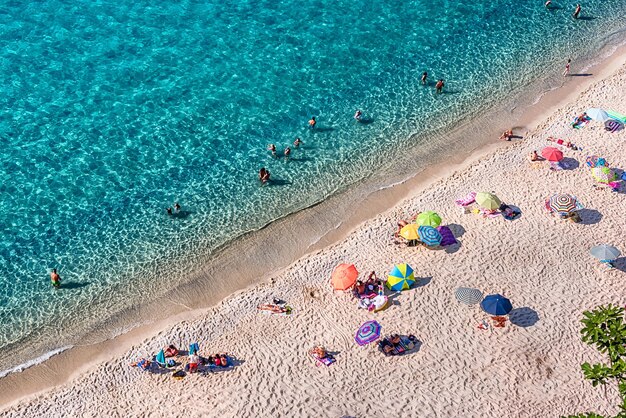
x=604 y=328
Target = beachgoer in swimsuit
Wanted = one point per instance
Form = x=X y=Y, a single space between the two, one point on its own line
x=534 y=156
x=223 y=360
x=297 y=142
x=401 y=224
x=287 y=152
x=507 y=135
x=264 y=175
x=312 y=122
x=567 y=68
x=272 y=148
x=55 y=279
x=176 y=207
x=358 y=115
x=424 y=77
x=548 y=4
x=439 y=86
x=577 y=11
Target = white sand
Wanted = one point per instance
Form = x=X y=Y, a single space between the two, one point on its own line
x=528 y=369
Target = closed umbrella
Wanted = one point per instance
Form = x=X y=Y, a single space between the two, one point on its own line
x=496 y=305
x=409 y=232
x=552 y=154
x=488 y=200
x=598 y=114
x=368 y=332
x=344 y=276
x=401 y=277
x=605 y=252
x=429 y=236
x=468 y=295
x=428 y=218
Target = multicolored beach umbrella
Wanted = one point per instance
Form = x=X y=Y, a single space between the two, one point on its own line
x=603 y=174
x=468 y=295
x=605 y=252
x=496 y=305
x=552 y=154
x=488 y=200
x=409 y=232
x=367 y=333
x=428 y=218
x=429 y=236
x=401 y=277
x=563 y=203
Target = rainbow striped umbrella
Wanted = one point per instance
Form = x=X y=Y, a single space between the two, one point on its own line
x=401 y=277
x=429 y=236
x=563 y=203
x=367 y=333
x=428 y=218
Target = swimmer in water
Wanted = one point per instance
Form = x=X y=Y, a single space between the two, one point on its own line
x=264 y=175
x=577 y=11
x=176 y=207
x=169 y=211
x=272 y=148
x=548 y=4
x=424 y=77
x=297 y=142
x=358 y=115
x=287 y=152
x=439 y=85
x=55 y=279
x=312 y=122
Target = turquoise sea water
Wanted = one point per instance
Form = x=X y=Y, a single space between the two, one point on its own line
x=112 y=111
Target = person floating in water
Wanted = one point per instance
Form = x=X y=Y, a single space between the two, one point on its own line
x=424 y=77
x=287 y=152
x=176 y=207
x=297 y=142
x=548 y=4
x=272 y=148
x=312 y=122
x=264 y=175
x=439 y=86
x=169 y=211
x=577 y=11
x=55 y=279
x=358 y=115
x=567 y=68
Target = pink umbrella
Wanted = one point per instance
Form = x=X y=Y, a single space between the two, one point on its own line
x=552 y=154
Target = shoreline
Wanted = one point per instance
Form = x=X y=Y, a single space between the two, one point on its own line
x=189 y=302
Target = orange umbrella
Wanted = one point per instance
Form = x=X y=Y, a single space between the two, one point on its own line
x=552 y=154
x=344 y=276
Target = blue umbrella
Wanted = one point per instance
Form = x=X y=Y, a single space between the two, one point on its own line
x=429 y=235
x=496 y=305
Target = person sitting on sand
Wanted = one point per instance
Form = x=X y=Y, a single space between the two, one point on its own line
x=264 y=175
x=360 y=287
x=319 y=352
x=534 y=156
x=507 y=135
x=581 y=118
x=171 y=351
x=223 y=360
x=574 y=217
x=394 y=339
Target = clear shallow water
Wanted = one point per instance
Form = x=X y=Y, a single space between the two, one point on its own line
x=111 y=111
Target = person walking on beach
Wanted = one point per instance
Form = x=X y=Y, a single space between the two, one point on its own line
x=424 y=77
x=577 y=11
x=297 y=142
x=312 y=122
x=55 y=279
x=439 y=85
x=567 y=68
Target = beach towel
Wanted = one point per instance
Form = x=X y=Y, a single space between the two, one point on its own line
x=580 y=124
x=447 y=237
x=326 y=361
x=613 y=125
x=617 y=116
x=467 y=200
x=407 y=343
x=270 y=309
x=554 y=166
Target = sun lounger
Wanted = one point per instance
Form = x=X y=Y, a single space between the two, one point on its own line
x=467 y=200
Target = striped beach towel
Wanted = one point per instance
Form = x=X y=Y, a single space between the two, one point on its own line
x=467 y=200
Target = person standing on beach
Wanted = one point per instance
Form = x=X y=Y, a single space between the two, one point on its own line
x=577 y=11
x=312 y=122
x=424 y=77
x=567 y=68
x=55 y=279
x=439 y=85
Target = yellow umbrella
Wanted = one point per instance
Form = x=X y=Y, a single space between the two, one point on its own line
x=488 y=200
x=409 y=232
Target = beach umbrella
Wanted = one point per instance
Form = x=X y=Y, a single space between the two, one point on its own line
x=605 y=252
x=409 y=232
x=597 y=114
x=488 y=200
x=496 y=305
x=367 y=333
x=603 y=174
x=160 y=358
x=428 y=218
x=401 y=277
x=552 y=154
x=429 y=235
x=468 y=296
x=344 y=276
x=563 y=203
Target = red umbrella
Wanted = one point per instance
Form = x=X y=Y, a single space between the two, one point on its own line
x=344 y=276
x=552 y=154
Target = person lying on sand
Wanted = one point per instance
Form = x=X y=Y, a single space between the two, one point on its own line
x=171 y=351
x=567 y=144
x=274 y=308
x=506 y=135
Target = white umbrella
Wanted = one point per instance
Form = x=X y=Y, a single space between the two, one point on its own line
x=598 y=114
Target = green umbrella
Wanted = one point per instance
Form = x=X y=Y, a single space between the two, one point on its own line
x=428 y=218
x=488 y=200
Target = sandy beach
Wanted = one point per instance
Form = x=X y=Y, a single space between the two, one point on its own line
x=530 y=368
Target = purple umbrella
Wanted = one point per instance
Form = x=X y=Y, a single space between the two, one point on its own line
x=368 y=332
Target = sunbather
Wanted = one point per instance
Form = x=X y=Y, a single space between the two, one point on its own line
x=401 y=224
x=171 y=351
x=534 y=156
x=142 y=363
x=274 y=308
x=319 y=352
x=567 y=144
x=507 y=135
